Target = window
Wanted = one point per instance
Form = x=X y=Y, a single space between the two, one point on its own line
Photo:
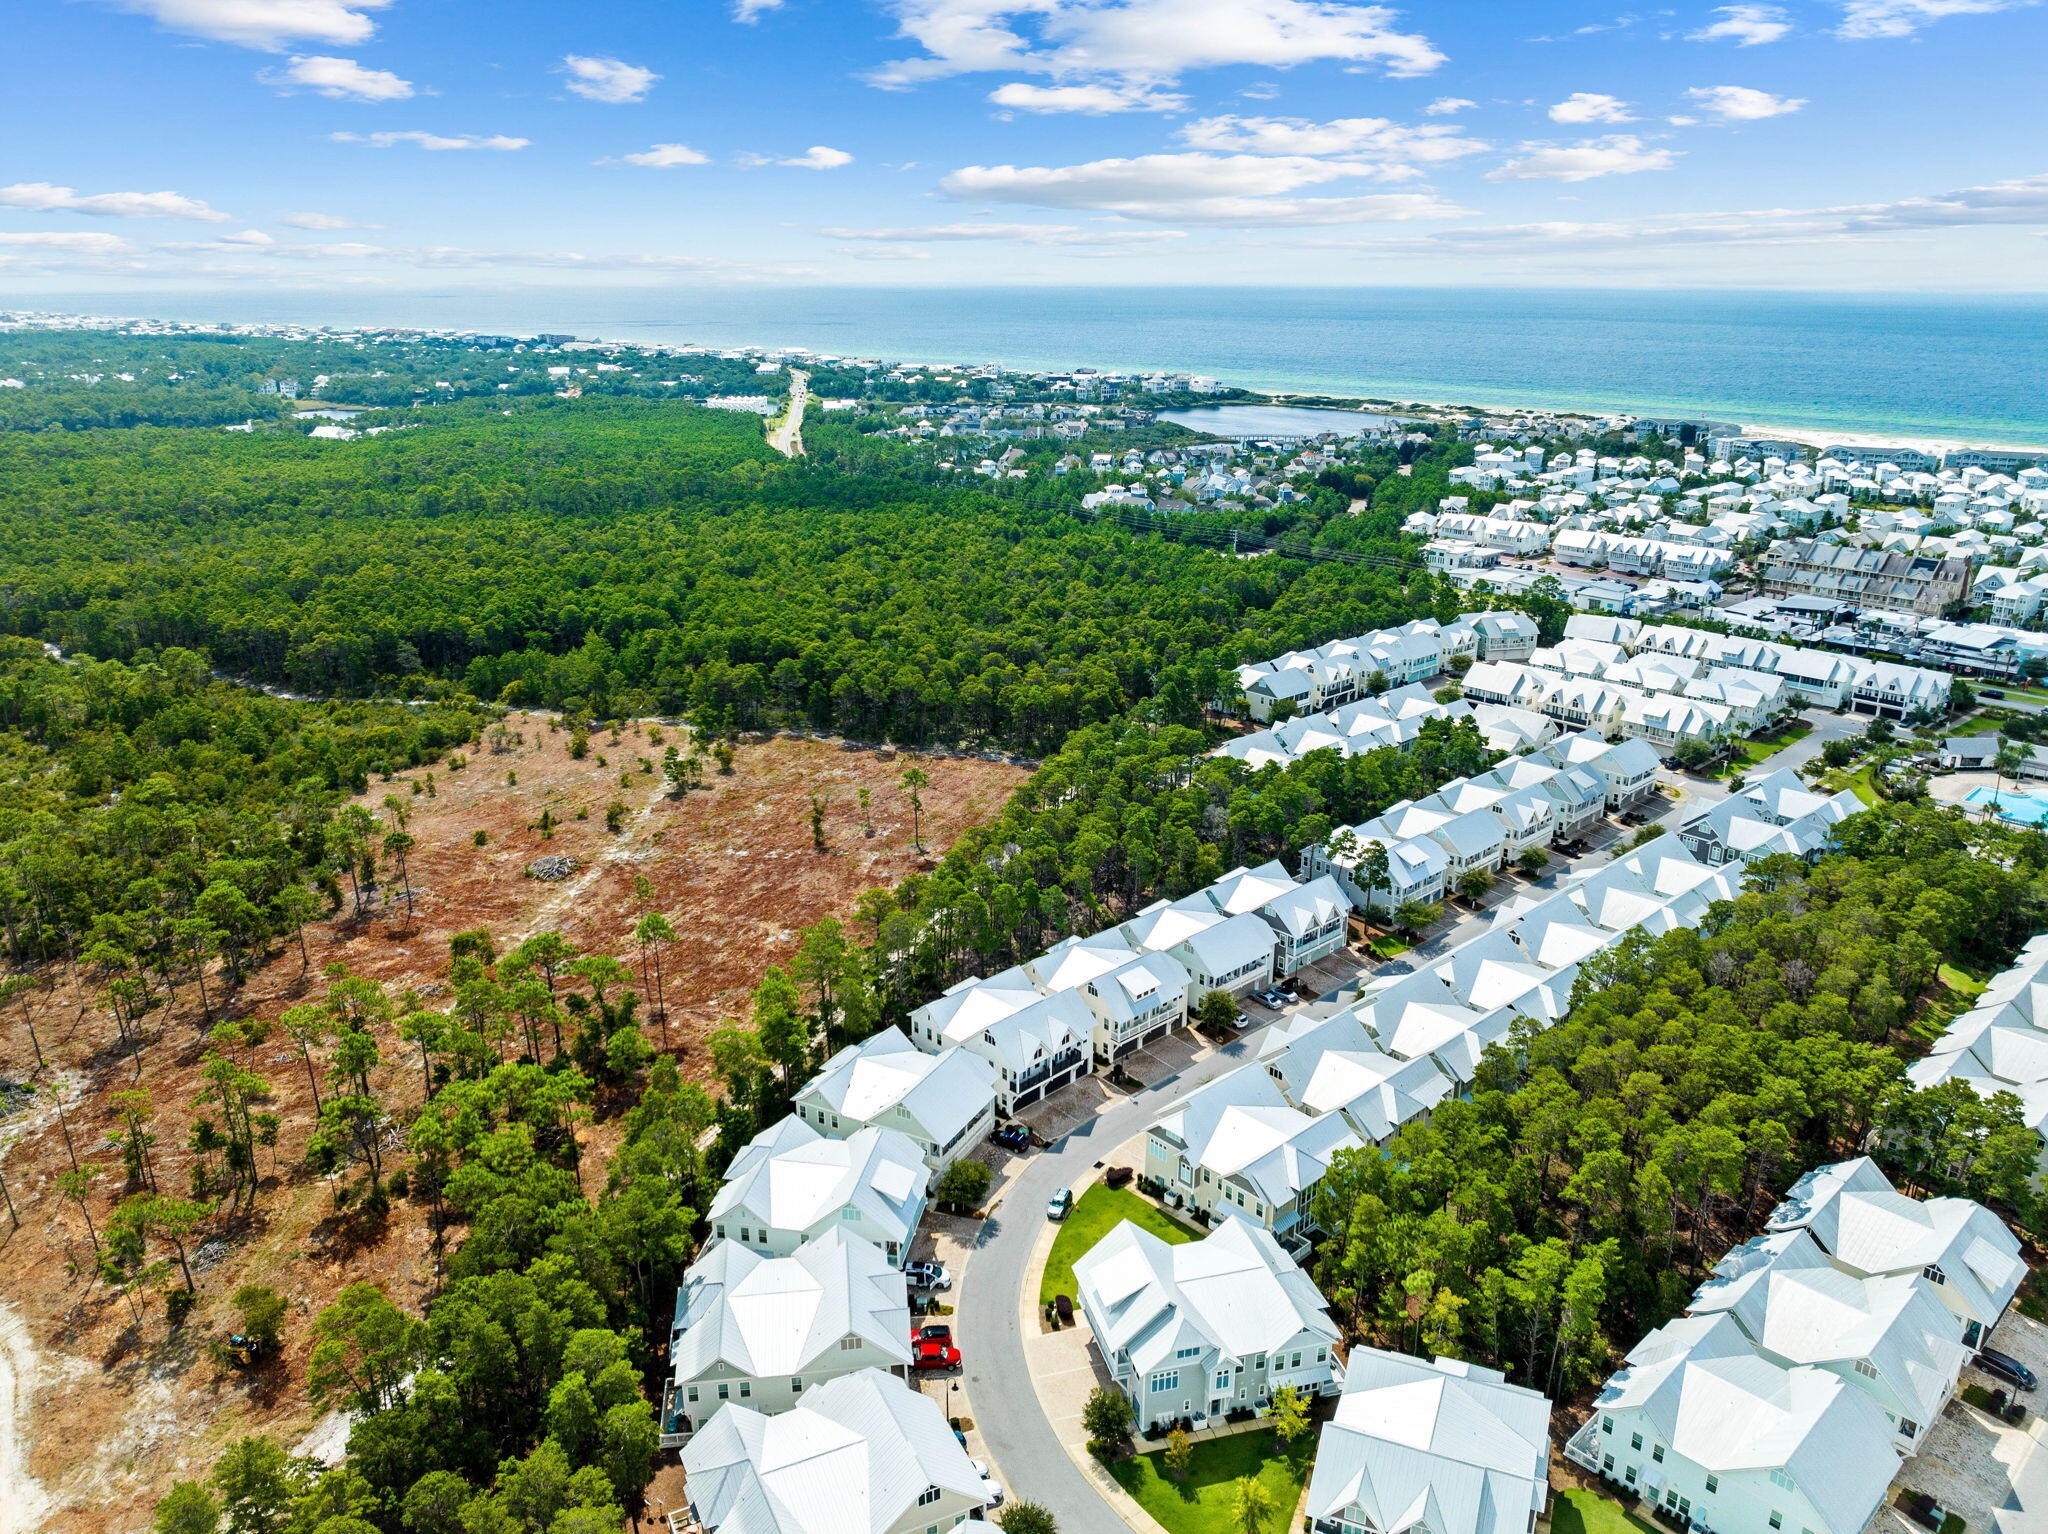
x=746 y=1234
x=1630 y=1475
x=1777 y=1519
x=1657 y=1452
x=849 y=1214
x=1189 y=1353
x=1866 y=1368
x=725 y=1392
x=848 y=1343
x=1222 y=1379
x=1606 y=1424
x=746 y=1389
x=1933 y=1274
x=1607 y=1464
x=1713 y=1483
x=928 y=1496
x=1635 y=1440
x=693 y=1392
x=1908 y=1427
x=796 y=1384
x=1161 y=1383
x=1780 y=1478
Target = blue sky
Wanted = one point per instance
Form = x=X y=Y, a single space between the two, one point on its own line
x=1819 y=144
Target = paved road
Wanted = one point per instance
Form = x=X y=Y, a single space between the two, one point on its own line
x=788 y=438
x=1007 y=1412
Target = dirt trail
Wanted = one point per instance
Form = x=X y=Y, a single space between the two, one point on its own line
x=23 y=1502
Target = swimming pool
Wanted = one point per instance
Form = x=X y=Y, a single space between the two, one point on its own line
x=2012 y=804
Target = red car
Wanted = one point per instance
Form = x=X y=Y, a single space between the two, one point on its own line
x=935 y=1353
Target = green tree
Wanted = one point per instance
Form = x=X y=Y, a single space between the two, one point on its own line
x=914 y=783
x=1028 y=1518
x=1179 y=1455
x=1216 y=1009
x=363 y=1348
x=1106 y=1417
x=1290 y=1416
x=1252 y=1504
x=187 y=1508
x=964 y=1183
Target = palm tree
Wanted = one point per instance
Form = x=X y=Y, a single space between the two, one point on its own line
x=2007 y=764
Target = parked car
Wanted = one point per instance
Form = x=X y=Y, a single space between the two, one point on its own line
x=935 y=1355
x=992 y=1489
x=1287 y=994
x=1268 y=996
x=1060 y=1205
x=1012 y=1137
x=2005 y=1367
x=927 y=1275
x=940 y=1333
x=1990 y=692
x=1242 y=1020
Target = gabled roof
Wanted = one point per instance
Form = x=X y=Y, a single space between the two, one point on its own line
x=1138 y=986
x=1446 y=1445
x=766 y=1317
x=942 y=1092
x=789 y=1177
x=1241 y=1126
x=1075 y=961
x=1243 y=890
x=1166 y=923
x=853 y=1457
x=1235 y=1291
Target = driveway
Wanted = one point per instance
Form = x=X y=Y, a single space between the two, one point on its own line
x=1009 y=1415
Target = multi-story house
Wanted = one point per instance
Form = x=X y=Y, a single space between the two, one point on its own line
x=762 y=1330
x=790 y=1184
x=1192 y=1332
x=944 y=1102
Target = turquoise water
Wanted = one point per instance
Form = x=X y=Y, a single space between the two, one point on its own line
x=1970 y=367
x=2020 y=808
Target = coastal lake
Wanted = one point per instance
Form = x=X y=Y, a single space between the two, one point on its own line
x=1276 y=420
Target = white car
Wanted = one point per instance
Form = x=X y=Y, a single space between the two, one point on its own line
x=991 y=1488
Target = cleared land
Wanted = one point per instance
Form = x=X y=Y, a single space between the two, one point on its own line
x=123 y=1408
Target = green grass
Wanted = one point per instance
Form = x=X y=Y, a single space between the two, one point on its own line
x=1389 y=945
x=1095 y=1214
x=1748 y=753
x=1962 y=980
x=1202 y=1503
x=1579 y=1511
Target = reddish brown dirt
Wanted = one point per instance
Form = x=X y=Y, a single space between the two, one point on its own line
x=122 y=1407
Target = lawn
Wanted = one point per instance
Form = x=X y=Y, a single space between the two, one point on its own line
x=1095 y=1214
x=1579 y=1511
x=1748 y=753
x=1202 y=1503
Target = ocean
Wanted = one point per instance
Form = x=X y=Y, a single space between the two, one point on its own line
x=1969 y=367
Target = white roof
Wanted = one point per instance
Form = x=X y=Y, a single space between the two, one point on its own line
x=767 y=1317
x=1168 y=923
x=944 y=1092
x=791 y=1178
x=1446 y=1445
x=1240 y=1125
x=853 y=1457
x=1247 y=889
x=1235 y=1291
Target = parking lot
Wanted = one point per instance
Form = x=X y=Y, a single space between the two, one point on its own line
x=1991 y=1475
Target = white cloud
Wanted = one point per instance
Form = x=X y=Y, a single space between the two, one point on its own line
x=1591 y=107
x=817 y=157
x=247 y=237
x=1619 y=154
x=1023 y=234
x=83 y=244
x=1444 y=106
x=1902 y=18
x=1146 y=40
x=42 y=197
x=337 y=79
x=1746 y=26
x=1095 y=100
x=265 y=24
x=497 y=141
x=750 y=11
x=664 y=157
x=607 y=80
x=1346 y=136
x=1224 y=190
x=887 y=253
x=323 y=221
x=1740 y=104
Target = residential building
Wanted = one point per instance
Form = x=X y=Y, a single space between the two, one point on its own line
x=1430 y=1446
x=1236 y=1147
x=944 y=1102
x=1867 y=578
x=762 y=1330
x=1195 y=1331
x=862 y=1454
x=790 y=1184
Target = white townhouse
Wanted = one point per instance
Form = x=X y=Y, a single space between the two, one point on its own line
x=945 y=1102
x=1135 y=997
x=1578 y=799
x=1430 y=1446
x=1236 y=1147
x=763 y=1330
x=1527 y=815
x=1666 y=719
x=1472 y=840
x=1417 y=868
x=790 y=1184
x=1718 y=1437
x=1627 y=767
x=1195 y=1331
x=862 y=1454
x=1307 y=920
x=1508 y=683
x=1502 y=635
x=1422 y=1016
x=1233 y=954
x=1036 y=1043
x=1869 y=1229
x=1819 y=677
x=1889 y=1337
x=1893 y=691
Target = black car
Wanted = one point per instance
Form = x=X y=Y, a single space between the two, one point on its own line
x=1989 y=692
x=2005 y=1367
x=1012 y=1137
